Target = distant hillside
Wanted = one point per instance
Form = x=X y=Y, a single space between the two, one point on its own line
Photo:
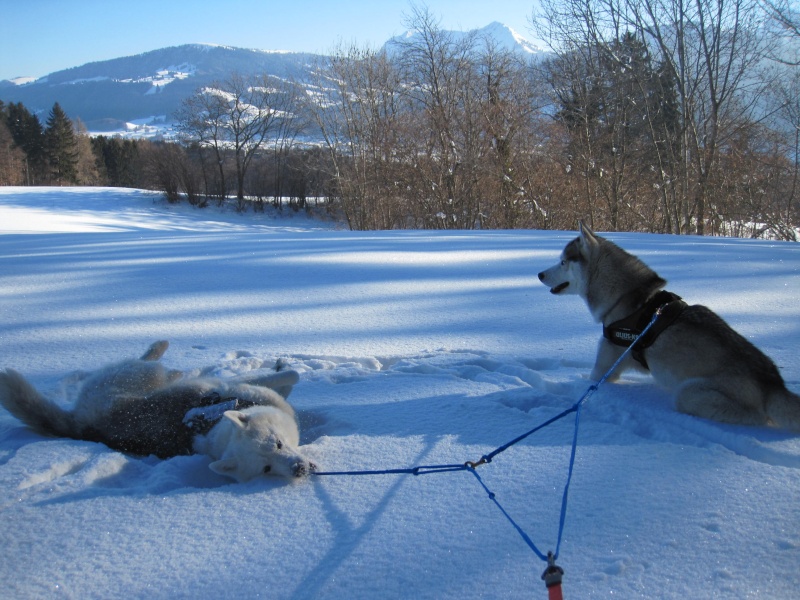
x=148 y=88
x=106 y=95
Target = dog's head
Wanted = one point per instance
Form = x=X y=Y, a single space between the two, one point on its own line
x=567 y=276
x=262 y=442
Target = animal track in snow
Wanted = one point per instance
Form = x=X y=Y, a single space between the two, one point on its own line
x=89 y=469
x=56 y=471
x=635 y=404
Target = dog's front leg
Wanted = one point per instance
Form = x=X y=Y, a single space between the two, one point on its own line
x=607 y=355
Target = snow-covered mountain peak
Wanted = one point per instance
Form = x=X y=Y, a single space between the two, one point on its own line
x=509 y=38
x=501 y=35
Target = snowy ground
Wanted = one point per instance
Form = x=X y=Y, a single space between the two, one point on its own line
x=414 y=348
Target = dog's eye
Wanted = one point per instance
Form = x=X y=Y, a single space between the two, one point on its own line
x=267 y=469
x=279 y=444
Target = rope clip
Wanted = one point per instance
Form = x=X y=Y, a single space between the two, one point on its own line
x=472 y=465
x=553 y=573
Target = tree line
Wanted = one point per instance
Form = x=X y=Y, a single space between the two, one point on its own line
x=61 y=152
x=650 y=115
x=33 y=154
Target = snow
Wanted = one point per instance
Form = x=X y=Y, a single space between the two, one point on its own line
x=509 y=39
x=414 y=348
x=499 y=33
x=22 y=80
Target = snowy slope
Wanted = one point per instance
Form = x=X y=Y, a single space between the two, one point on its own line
x=501 y=36
x=107 y=94
x=414 y=348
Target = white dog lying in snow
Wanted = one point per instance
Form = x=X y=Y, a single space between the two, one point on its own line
x=138 y=406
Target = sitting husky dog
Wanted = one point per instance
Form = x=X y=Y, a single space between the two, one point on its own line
x=138 y=406
x=715 y=372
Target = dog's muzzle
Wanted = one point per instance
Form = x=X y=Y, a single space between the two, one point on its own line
x=557 y=289
x=301 y=469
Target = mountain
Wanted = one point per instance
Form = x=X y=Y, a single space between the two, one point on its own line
x=501 y=35
x=108 y=95
x=509 y=39
x=140 y=94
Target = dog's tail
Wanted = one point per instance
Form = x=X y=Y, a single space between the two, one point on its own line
x=29 y=406
x=156 y=350
x=783 y=408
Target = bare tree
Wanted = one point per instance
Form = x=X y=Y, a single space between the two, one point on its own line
x=786 y=125
x=509 y=99
x=440 y=79
x=201 y=119
x=234 y=118
x=87 y=172
x=354 y=106
x=785 y=16
x=711 y=51
x=431 y=133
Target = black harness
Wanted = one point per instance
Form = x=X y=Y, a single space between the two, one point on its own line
x=625 y=331
x=201 y=419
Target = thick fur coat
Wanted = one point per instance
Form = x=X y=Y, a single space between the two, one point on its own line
x=140 y=407
x=713 y=371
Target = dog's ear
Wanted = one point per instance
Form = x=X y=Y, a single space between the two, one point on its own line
x=237 y=418
x=586 y=234
x=226 y=466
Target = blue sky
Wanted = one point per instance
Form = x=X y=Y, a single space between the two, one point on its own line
x=41 y=36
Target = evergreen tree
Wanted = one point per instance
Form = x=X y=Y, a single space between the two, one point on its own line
x=620 y=110
x=118 y=159
x=12 y=159
x=28 y=135
x=61 y=147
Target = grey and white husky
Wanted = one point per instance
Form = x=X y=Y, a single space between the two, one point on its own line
x=714 y=372
x=138 y=406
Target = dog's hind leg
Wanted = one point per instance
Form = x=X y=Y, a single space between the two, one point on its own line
x=783 y=408
x=156 y=350
x=707 y=399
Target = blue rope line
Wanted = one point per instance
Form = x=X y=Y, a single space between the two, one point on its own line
x=487 y=458
x=519 y=529
x=577 y=406
x=562 y=519
x=419 y=470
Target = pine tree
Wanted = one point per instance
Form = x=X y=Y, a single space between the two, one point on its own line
x=28 y=135
x=12 y=158
x=61 y=147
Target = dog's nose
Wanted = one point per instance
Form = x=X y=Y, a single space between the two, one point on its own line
x=541 y=276
x=302 y=469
